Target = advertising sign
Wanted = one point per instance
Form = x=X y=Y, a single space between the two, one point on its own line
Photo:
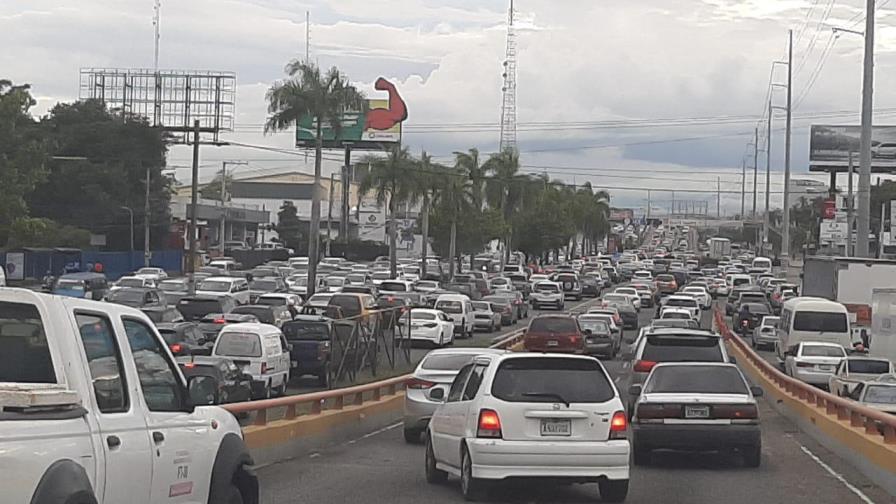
x=377 y=128
x=621 y=214
x=832 y=231
x=830 y=207
x=829 y=148
x=15 y=265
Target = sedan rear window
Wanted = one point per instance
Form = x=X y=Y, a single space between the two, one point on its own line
x=697 y=380
x=450 y=306
x=551 y=380
x=822 y=351
x=234 y=344
x=682 y=349
x=554 y=324
x=418 y=315
x=446 y=362
x=394 y=286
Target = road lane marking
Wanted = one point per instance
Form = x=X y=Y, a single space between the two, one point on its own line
x=375 y=433
x=839 y=477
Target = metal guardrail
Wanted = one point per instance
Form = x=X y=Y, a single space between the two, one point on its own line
x=338 y=399
x=875 y=423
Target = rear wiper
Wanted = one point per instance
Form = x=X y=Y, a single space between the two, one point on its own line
x=547 y=394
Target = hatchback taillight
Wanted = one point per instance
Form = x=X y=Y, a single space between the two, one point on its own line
x=643 y=366
x=489 y=424
x=418 y=384
x=618 y=425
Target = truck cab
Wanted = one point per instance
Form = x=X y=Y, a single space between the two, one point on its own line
x=96 y=410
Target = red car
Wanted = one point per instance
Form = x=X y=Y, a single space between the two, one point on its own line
x=554 y=333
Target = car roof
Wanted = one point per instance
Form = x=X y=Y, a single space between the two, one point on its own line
x=806 y=302
x=251 y=327
x=224 y=278
x=821 y=344
x=681 y=331
x=466 y=351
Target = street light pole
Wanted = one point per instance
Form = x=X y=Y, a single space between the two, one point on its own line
x=131 y=242
x=863 y=221
x=785 y=226
x=146 y=219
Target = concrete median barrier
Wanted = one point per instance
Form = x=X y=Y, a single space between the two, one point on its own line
x=864 y=437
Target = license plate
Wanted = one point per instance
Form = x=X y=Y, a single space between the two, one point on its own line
x=553 y=343
x=556 y=427
x=696 y=411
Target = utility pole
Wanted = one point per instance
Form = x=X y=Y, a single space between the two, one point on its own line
x=863 y=223
x=785 y=226
x=743 y=187
x=346 y=193
x=648 y=205
x=718 y=197
x=330 y=211
x=221 y=238
x=156 y=18
x=194 y=195
x=850 y=250
x=146 y=219
x=755 y=168
x=768 y=169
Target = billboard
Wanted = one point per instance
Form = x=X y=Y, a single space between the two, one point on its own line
x=377 y=128
x=621 y=214
x=829 y=148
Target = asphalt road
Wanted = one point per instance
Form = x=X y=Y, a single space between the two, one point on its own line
x=381 y=468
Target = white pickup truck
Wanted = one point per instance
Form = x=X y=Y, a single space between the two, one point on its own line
x=94 y=410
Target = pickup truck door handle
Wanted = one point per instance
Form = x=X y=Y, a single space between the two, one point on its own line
x=158 y=437
x=113 y=441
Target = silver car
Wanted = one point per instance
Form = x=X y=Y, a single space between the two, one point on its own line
x=436 y=371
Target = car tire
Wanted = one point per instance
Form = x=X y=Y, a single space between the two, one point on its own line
x=434 y=476
x=280 y=391
x=412 y=436
x=752 y=455
x=232 y=495
x=640 y=455
x=613 y=490
x=471 y=488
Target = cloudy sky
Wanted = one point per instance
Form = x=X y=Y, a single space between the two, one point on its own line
x=632 y=76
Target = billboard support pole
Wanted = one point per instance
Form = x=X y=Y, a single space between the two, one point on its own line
x=849 y=210
x=194 y=195
x=863 y=224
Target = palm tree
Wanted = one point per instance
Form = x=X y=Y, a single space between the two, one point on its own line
x=427 y=186
x=506 y=189
x=453 y=197
x=324 y=98
x=393 y=180
x=468 y=163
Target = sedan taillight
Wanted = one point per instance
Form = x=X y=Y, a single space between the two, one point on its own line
x=735 y=411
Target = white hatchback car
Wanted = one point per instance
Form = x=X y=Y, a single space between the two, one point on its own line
x=530 y=415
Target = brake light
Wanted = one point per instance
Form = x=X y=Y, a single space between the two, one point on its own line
x=736 y=411
x=418 y=384
x=489 y=424
x=657 y=411
x=804 y=364
x=618 y=425
x=190 y=365
x=176 y=348
x=643 y=366
x=220 y=321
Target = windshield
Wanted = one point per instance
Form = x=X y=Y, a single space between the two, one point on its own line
x=214 y=286
x=820 y=321
x=697 y=380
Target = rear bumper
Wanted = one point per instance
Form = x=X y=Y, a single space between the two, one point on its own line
x=603 y=347
x=499 y=459
x=417 y=411
x=820 y=378
x=697 y=437
x=482 y=322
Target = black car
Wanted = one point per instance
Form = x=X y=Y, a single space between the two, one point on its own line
x=591 y=285
x=261 y=286
x=266 y=314
x=228 y=383
x=521 y=283
x=211 y=324
x=136 y=297
x=195 y=308
x=629 y=315
x=161 y=314
x=185 y=338
x=311 y=337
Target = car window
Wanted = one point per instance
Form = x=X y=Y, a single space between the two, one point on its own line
x=161 y=386
x=446 y=362
x=450 y=306
x=473 y=383
x=418 y=315
x=551 y=380
x=822 y=351
x=104 y=362
x=238 y=344
x=869 y=366
x=672 y=348
x=311 y=331
x=554 y=324
x=881 y=394
x=819 y=321
x=696 y=379
x=457 y=386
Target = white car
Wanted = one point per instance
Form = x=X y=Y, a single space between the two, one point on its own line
x=632 y=294
x=684 y=302
x=813 y=362
x=140 y=282
x=530 y=415
x=700 y=294
x=260 y=350
x=150 y=272
x=642 y=275
x=432 y=326
x=237 y=288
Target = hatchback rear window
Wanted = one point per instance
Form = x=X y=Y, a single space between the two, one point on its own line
x=682 y=349
x=665 y=278
x=24 y=354
x=234 y=344
x=446 y=362
x=697 y=380
x=551 y=380
x=554 y=324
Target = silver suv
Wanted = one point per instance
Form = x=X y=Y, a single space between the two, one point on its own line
x=547 y=294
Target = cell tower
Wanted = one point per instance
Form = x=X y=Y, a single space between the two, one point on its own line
x=508 y=104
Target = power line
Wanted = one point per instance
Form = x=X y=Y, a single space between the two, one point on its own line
x=832 y=39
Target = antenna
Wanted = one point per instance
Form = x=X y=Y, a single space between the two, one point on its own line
x=508 y=104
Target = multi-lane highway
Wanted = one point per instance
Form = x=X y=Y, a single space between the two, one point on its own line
x=381 y=468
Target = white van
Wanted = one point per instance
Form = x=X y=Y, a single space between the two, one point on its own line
x=812 y=319
x=762 y=263
x=260 y=350
x=460 y=309
x=235 y=287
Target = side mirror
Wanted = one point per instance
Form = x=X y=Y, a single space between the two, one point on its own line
x=437 y=394
x=203 y=390
x=756 y=391
x=635 y=390
x=732 y=359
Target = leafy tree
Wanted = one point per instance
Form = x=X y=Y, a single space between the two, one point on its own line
x=323 y=97
x=468 y=163
x=212 y=190
x=507 y=190
x=22 y=154
x=393 y=180
x=289 y=227
x=99 y=165
x=38 y=232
